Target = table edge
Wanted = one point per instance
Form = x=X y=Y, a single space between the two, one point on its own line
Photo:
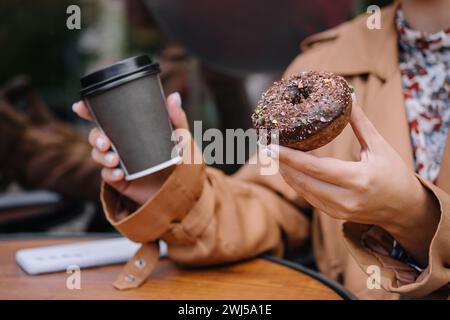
x=331 y=284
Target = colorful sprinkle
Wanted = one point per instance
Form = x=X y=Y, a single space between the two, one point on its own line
x=261 y=120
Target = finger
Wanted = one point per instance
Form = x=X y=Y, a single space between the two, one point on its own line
x=334 y=171
x=176 y=113
x=98 y=140
x=319 y=194
x=115 y=178
x=82 y=110
x=364 y=130
x=106 y=159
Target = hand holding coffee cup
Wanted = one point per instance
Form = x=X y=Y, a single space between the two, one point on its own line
x=134 y=139
x=139 y=190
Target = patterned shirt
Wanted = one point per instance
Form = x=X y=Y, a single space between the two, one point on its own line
x=425 y=67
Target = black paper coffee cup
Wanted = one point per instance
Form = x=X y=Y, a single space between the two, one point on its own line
x=129 y=105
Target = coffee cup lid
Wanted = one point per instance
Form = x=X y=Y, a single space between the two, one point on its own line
x=117 y=74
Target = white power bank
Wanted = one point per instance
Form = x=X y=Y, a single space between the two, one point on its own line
x=85 y=254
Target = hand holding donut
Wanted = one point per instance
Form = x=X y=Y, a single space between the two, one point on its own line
x=378 y=189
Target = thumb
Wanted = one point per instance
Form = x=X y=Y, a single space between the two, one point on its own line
x=364 y=130
x=176 y=113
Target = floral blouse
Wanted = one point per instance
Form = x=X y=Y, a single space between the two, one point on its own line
x=425 y=67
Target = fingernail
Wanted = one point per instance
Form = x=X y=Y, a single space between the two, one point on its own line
x=176 y=99
x=100 y=142
x=269 y=153
x=75 y=107
x=109 y=157
x=116 y=173
x=354 y=96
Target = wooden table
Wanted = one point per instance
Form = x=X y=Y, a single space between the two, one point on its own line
x=254 y=279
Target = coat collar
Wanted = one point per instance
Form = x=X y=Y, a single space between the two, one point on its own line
x=357 y=50
x=360 y=50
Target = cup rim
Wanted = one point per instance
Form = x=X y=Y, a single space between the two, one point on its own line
x=117 y=74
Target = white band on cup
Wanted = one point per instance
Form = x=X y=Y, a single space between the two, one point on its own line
x=154 y=169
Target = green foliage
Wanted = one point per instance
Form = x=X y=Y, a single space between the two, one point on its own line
x=35 y=41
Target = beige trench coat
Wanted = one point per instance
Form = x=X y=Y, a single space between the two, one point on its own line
x=209 y=218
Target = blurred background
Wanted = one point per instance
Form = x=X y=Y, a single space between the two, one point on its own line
x=219 y=56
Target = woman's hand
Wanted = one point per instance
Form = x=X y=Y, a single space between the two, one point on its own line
x=378 y=189
x=142 y=189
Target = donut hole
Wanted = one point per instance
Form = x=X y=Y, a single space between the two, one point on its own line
x=295 y=95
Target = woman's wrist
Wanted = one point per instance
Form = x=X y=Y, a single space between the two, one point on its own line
x=415 y=225
x=155 y=182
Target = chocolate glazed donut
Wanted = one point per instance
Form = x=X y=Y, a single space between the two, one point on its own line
x=308 y=110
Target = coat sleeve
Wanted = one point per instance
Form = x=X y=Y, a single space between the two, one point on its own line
x=370 y=246
x=209 y=218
